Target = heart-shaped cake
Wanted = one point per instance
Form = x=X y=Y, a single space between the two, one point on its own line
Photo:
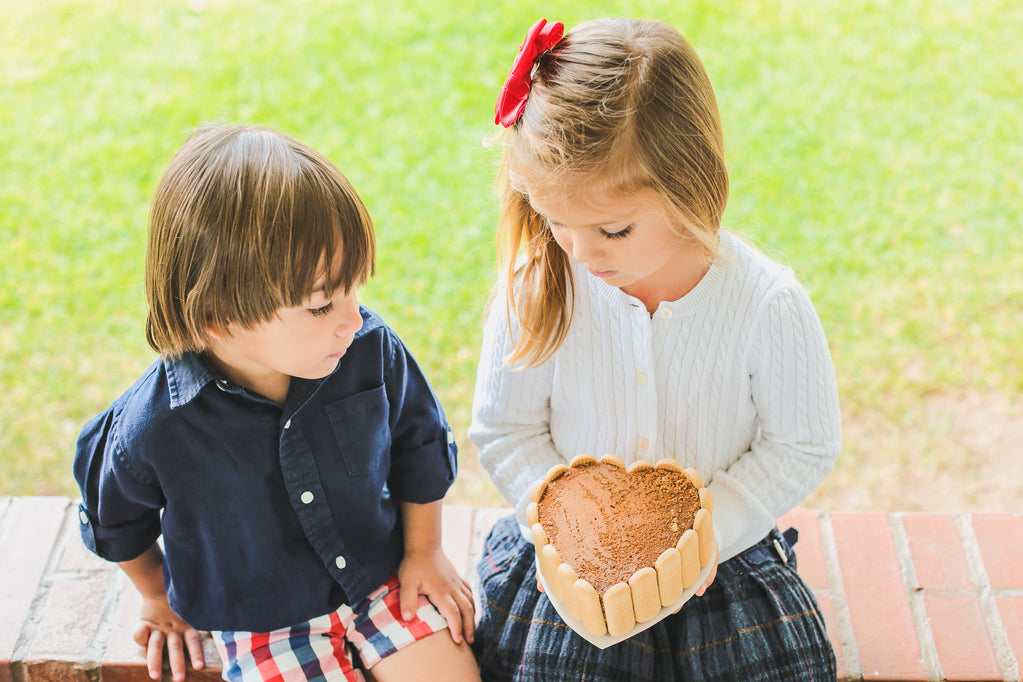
x=616 y=545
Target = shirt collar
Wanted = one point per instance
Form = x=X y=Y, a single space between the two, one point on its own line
x=186 y=376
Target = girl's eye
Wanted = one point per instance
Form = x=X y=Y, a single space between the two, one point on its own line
x=620 y=234
x=319 y=312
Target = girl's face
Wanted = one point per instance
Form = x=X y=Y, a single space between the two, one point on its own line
x=305 y=341
x=627 y=241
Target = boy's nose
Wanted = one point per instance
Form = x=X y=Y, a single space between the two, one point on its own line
x=351 y=319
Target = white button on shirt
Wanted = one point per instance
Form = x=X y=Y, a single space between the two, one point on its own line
x=287 y=424
x=306 y=497
x=665 y=312
x=340 y=562
x=641 y=378
x=642 y=443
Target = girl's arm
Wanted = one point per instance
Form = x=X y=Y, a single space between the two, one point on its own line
x=159 y=624
x=511 y=415
x=426 y=570
x=796 y=398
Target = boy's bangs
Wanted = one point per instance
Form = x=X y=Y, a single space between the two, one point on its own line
x=333 y=251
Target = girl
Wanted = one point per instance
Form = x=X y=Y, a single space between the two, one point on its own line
x=630 y=322
x=285 y=445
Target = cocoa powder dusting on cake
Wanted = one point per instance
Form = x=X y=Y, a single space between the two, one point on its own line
x=607 y=523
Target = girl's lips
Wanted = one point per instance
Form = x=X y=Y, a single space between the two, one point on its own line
x=603 y=274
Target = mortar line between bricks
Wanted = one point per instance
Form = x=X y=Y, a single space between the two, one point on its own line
x=996 y=629
x=850 y=651
x=28 y=627
x=93 y=656
x=921 y=623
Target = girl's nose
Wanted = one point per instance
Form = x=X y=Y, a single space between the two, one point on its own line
x=584 y=247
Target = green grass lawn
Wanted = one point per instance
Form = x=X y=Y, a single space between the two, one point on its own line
x=876 y=150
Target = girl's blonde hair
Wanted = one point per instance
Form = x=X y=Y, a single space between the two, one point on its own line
x=619 y=105
x=244 y=222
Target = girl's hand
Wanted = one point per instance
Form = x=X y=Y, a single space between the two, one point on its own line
x=160 y=626
x=710 y=576
x=431 y=574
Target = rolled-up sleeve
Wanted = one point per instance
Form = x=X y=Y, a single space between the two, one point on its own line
x=423 y=449
x=119 y=513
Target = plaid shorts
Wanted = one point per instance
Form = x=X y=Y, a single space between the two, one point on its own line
x=757 y=621
x=322 y=648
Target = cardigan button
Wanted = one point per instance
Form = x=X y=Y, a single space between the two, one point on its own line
x=340 y=562
x=306 y=497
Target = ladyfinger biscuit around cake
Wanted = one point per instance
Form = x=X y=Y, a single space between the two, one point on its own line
x=549 y=561
x=588 y=603
x=566 y=582
x=704 y=527
x=670 y=464
x=540 y=539
x=646 y=598
x=582 y=460
x=538 y=490
x=689 y=547
x=706 y=499
x=639 y=465
x=693 y=475
x=532 y=513
x=613 y=459
x=669 y=576
x=618 y=609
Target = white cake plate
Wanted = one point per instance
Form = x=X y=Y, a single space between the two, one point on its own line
x=606 y=640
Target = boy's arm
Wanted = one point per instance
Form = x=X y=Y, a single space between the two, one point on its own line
x=159 y=624
x=427 y=571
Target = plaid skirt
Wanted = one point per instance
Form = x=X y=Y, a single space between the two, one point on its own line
x=758 y=621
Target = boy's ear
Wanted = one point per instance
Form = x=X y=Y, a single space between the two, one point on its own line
x=212 y=329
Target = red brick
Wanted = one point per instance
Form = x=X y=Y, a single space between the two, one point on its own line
x=120 y=645
x=69 y=620
x=961 y=637
x=937 y=550
x=46 y=670
x=28 y=531
x=1011 y=611
x=809 y=551
x=876 y=597
x=457 y=536
x=1000 y=537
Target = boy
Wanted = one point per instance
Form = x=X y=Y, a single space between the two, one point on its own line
x=286 y=445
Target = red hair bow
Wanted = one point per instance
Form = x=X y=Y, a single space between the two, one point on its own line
x=512 y=100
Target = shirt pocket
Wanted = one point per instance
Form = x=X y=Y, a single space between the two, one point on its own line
x=360 y=424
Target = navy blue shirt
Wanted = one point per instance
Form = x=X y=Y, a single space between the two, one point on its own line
x=270 y=516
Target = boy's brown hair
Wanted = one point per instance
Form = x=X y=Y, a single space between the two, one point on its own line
x=244 y=222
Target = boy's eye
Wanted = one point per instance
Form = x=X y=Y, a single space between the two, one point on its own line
x=318 y=312
x=620 y=234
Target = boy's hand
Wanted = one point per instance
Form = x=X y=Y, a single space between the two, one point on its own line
x=160 y=626
x=430 y=573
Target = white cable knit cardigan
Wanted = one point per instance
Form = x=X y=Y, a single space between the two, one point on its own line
x=734 y=379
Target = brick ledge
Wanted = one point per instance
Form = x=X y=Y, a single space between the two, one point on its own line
x=906 y=596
